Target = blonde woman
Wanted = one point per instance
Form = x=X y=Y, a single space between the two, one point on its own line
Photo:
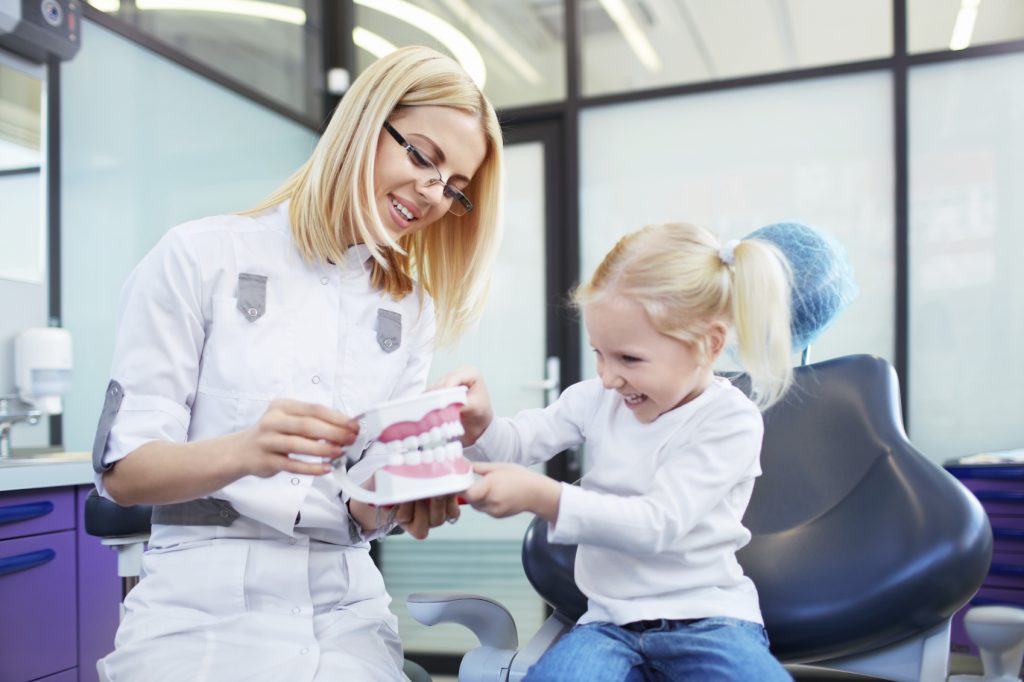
x=245 y=339
x=673 y=453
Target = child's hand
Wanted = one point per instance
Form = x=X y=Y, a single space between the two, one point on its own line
x=477 y=413
x=508 y=489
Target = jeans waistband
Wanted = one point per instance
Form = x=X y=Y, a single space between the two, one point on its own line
x=657 y=623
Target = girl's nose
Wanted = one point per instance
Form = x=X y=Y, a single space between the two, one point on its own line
x=611 y=380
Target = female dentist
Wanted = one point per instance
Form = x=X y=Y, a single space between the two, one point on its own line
x=243 y=339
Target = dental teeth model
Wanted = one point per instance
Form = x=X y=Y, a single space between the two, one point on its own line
x=417 y=439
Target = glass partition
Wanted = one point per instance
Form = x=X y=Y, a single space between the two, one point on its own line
x=639 y=44
x=817 y=151
x=24 y=285
x=146 y=147
x=934 y=25
x=966 y=293
x=515 y=50
x=272 y=46
x=22 y=156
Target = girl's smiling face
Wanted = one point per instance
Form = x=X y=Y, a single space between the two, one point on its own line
x=409 y=196
x=653 y=372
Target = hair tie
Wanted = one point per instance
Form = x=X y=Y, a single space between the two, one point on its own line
x=727 y=254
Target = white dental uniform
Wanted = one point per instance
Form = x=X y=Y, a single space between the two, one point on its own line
x=285 y=592
x=658 y=516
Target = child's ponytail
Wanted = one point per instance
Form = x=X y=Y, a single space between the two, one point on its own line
x=761 y=316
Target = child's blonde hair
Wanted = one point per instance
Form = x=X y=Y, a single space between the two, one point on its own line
x=332 y=195
x=685 y=280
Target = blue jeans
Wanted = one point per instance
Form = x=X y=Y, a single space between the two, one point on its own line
x=707 y=649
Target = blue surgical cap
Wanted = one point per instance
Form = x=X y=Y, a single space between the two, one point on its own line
x=823 y=284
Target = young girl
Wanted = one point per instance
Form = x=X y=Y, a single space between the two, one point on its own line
x=673 y=453
x=243 y=339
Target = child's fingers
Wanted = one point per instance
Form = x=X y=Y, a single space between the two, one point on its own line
x=484 y=468
x=462 y=376
x=476 y=493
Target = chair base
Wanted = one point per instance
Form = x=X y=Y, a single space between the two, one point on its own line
x=922 y=659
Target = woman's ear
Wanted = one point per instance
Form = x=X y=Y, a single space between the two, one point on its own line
x=717 y=334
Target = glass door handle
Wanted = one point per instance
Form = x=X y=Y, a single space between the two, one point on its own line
x=551 y=384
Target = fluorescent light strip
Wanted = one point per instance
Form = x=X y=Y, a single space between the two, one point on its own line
x=372 y=43
x=249 y=8
x=461 y=47
x=631 y=31
x=494 y=40
x=106 y=5
x=963 y=29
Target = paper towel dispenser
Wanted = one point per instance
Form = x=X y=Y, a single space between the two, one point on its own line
x=41 y=30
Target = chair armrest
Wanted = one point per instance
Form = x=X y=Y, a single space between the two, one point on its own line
x=489 y=620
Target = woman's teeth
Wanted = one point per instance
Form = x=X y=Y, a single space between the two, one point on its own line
x=635 y=398
x=406 y=213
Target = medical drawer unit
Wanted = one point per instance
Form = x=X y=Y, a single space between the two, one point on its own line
x=59 y=589
x=1000 y=489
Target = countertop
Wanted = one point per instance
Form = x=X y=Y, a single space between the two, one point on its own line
x=44 y=468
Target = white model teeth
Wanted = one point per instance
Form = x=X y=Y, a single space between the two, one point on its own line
x=437 y=444
x=406 y=213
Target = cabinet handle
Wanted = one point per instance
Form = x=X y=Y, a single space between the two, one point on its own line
x=23 y=562
x=24 y=512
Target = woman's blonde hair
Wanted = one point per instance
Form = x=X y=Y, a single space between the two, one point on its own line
x=332 y=195
x=684 y=280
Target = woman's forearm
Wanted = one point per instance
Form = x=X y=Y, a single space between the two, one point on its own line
x=163 y=473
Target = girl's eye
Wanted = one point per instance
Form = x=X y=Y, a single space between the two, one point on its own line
x=630 y=358
x=418 y=159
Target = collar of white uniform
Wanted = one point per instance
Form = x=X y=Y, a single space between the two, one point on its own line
x=356 y=256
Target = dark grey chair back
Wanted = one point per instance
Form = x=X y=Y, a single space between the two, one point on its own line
x=859 y=541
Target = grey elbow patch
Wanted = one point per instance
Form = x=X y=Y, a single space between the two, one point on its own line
x=111 y=405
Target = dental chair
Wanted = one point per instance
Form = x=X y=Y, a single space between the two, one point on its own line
x=126 y=529
x=862 y=548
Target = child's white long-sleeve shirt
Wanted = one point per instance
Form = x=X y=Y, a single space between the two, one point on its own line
x=658 y=516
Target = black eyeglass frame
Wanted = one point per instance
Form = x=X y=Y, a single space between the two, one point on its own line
x=421 y=160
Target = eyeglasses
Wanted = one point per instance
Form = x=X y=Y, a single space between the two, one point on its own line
x=460 y=204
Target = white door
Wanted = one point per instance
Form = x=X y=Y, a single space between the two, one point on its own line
x=479 y=554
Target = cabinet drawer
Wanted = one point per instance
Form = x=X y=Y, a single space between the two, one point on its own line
x=37 y=511
x=38 y=594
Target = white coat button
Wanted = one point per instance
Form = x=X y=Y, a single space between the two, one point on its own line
x=252 y=312
x=297 y=611
x=295 y=481
x=316 y=380
x=304 y=650
x=324 y=280
x=388 y=343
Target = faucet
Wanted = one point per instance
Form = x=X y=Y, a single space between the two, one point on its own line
x=13 y=410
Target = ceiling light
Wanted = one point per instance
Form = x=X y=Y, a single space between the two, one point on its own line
x=963 y=29
x=454 y=40
x=494 y=40
x=106 y=5
x=249 y=8
x=633 y=34
x=372 y=43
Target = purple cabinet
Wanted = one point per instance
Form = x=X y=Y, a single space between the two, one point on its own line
x=59 y=589
x=1000 y=489
x=37 y=590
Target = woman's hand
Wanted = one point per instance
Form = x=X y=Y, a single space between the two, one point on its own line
x=477 y=413
x=291 y=426
x=508 y=489
x=417 y=518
